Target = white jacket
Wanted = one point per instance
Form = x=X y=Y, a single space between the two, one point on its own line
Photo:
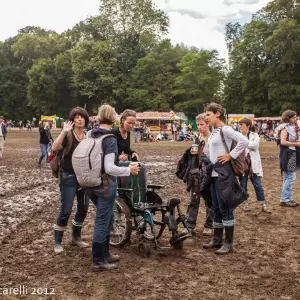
x=253 y=149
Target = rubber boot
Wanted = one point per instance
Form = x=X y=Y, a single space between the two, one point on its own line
x=227 y=245
x=99 y=263
x=76 y=237
x=110 y=258
x=58 y=234
x=216 y=241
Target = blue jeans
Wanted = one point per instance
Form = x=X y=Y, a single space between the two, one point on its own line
x=136 y=136
x=287 y=187
x=256 y=181
x=223 y=217
x=69 y=188
x=104 y=220
x=44 y=152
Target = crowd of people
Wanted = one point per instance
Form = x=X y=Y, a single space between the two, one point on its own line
x=218 y=143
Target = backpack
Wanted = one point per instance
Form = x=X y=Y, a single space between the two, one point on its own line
x=241 y=163
x=87 y=161
x=55 y=157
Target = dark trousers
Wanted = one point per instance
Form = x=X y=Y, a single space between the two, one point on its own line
x=70 y=188
x=223 y=217
x=193 y=208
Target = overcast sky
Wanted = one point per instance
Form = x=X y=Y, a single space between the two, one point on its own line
x=197 y=23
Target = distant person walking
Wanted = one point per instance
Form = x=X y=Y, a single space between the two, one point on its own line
x=45 y=140
x=3 y=132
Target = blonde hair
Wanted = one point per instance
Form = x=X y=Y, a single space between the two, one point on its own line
x=106 y=114
x=201 y=117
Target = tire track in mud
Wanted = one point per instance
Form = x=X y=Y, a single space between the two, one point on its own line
x=17 y=208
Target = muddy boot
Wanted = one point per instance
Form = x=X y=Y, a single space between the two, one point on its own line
x=110 y=258
x=76 y=237
x=216 y=241
x=58 y=234
x=227 y=245
x=99 y=263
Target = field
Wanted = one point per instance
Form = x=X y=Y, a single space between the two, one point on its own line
x=264 y=264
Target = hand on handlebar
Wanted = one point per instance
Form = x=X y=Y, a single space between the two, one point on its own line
x=134 y=169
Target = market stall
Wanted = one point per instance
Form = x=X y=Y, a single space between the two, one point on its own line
x=160 y=121
x=235 y=118
x=268 y=119
x=51 y=119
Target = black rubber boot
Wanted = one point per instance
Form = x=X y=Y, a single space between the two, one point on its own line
x=110 y=258
x=216 y=241
x=227 y=245
x=58 y=234
x=76 y=237
x=99 y=263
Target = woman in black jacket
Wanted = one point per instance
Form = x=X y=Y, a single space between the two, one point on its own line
x=45 y=140
x=122 y=133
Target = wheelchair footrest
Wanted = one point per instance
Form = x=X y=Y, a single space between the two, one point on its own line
x=183 y=237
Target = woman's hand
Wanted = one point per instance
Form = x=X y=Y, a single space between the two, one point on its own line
x=135 y=155
x=224 y=158
x=68 y=126
x=134 y=169
x=123 y=157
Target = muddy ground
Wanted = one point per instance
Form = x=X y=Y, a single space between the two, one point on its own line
x=264 y=264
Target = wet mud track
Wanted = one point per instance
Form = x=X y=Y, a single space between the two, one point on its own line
x=264 y=264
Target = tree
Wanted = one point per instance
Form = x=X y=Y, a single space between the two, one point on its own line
x=94 y=64
x=199 y=81
x=153 y=78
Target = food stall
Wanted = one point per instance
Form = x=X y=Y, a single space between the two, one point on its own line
x=235 y=118
x=51 y=119
x=159 y=121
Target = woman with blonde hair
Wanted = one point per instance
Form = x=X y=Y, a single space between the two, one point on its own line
x=104 y=202
x=193 y=206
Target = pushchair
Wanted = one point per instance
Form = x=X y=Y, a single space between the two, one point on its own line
x=138 y=207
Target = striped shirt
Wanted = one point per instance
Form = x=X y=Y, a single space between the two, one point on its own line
x=216 y=146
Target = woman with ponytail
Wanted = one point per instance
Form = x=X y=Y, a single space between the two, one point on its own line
x=122 y=133
x=255 y=172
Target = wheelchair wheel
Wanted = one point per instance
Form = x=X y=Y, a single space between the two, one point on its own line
x=159 y=225
x=121 y=233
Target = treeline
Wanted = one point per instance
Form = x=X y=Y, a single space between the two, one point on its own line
x=264 y=75
x=121 y=57
x=118 y=57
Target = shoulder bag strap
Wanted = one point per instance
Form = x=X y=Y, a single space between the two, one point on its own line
x=223 y=140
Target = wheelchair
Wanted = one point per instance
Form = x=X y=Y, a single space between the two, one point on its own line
x=139 y=208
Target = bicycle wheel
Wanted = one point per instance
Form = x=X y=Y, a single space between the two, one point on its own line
x=121 y=233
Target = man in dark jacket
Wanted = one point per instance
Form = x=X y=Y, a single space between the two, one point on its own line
x=3 y=132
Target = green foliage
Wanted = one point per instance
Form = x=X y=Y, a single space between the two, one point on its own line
x=264 y=62
x=117 y=57
x=199 y=80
